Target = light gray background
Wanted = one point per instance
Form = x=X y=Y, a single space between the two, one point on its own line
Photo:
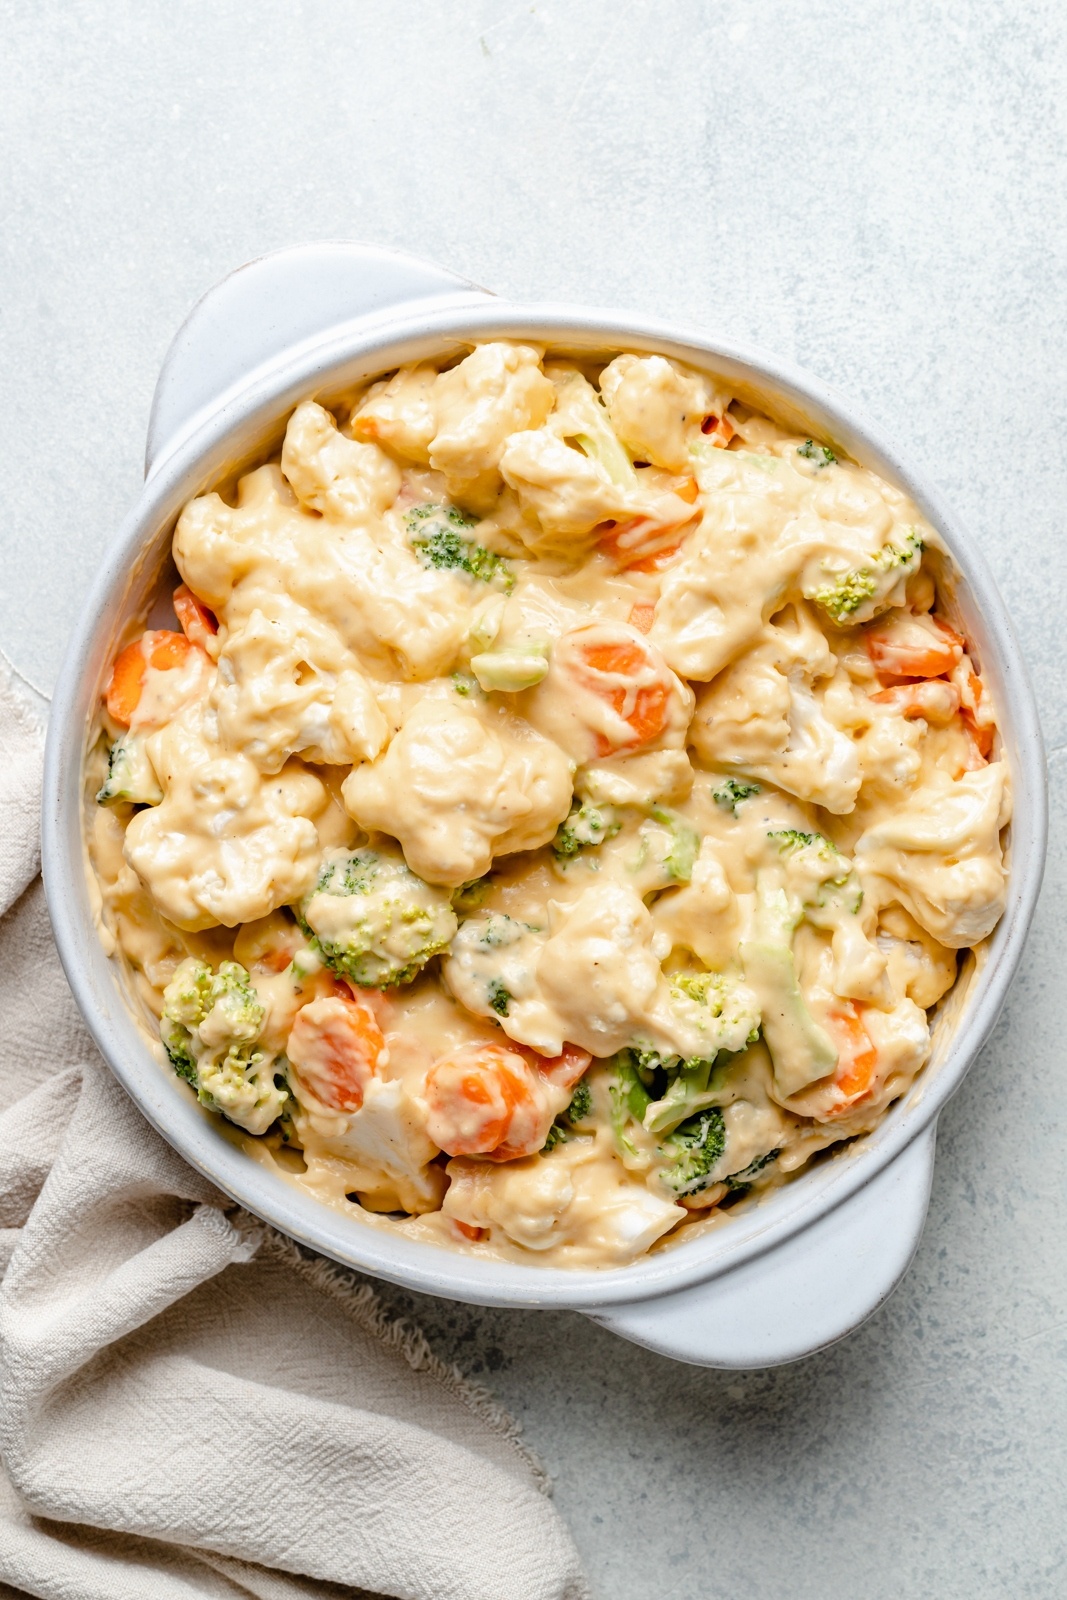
x=874 y=188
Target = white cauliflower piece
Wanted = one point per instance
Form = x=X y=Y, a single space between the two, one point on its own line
x=386 y=1145
x=656 y=407
x=784 y=713
x=597 y=969
x=498 y=390
x=225 y=845
x=399 y=413
x=341 y=478
x=567 y=1200
x=567 y=491
x=458 y=786
x=940 y=854
x=394 y=614
x=287 y=685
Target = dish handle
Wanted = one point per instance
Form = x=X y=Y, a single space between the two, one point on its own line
x=267 y=308
x=807 y=1293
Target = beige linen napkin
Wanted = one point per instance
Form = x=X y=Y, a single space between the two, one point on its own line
x=189 y=1405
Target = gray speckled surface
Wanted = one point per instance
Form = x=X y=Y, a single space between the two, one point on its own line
x=876 y=190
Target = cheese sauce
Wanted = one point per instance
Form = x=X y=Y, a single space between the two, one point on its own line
x=560 y=810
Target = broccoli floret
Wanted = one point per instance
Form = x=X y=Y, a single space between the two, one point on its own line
x=692 y=1152
x=682 y=845
x=821 y=454
x=438 y=536
x=869 y=587
x=210 y=1027
x=471 y=896
x=630 y=1098
x=566 y=1123
x=499 y=997
x=588 y=825
x=831 y=881
x=130 y=774
x=731 y=792
x=581 y=1105
x=740 y=1181
x=720 y=1017
x=373 y=920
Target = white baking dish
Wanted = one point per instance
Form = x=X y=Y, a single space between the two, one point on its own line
x=814 y=1257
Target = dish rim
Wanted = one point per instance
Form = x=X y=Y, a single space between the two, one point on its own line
x=225 y=434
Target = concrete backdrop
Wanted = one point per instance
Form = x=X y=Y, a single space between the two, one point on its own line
x=876 y=190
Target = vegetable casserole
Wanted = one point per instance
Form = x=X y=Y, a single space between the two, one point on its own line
x=558 y=809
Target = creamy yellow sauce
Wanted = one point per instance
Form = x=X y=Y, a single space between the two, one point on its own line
x=579 y=729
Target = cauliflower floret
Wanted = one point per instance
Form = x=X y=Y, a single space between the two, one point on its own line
x=940 y=854
x=656 y=407
x=458 y=786
x=498 y=390
x=567 y=491
x=386 y=1150
x=491 y=969
x=597 y=970
x=339 y=477
x=783 y=713
x=392 y=612
x=373 y=919
x=399 y=413
x=567 y=1200
x=210 y=1025
x=286 y=684
x=224 y=845
x=919 y=966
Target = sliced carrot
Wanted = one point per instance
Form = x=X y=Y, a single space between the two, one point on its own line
x=642 y=615
x=160 y=649
x=126 y=682
x=645 y=544
x=913 y=646
x=625 y=658
x=198 y=623
x=720 y=430
x=935 y=700
x=469 y=1231
x=563 y=1070
x=335 y=1048
x=485 y=1100
x=857 y=1060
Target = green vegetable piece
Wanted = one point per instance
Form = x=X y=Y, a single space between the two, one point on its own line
x=581 y=1106
x=852 y=590
x=130 y=775
x=821 y=454
x=374 y=920
x=740 y=1180
x=693 y=1151
x=629 y=1098
x=578 y=1111
x=801 y=1051
x=470 y=897
x=438 y=535
x=731 y=792
x=586 y=826
x=684 y=844
x=210 y=1030
x=510 y=671
x=499 y=997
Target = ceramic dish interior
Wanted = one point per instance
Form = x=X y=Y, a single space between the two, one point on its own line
x=241 y=431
